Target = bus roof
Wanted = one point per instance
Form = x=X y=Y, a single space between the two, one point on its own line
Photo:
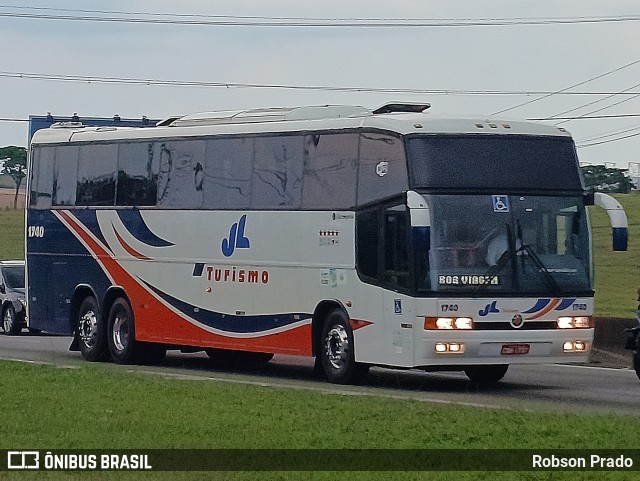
x=401 y=118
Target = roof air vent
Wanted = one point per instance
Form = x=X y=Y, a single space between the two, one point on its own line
x=398 y=107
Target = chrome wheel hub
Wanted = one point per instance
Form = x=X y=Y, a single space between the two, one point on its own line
x=336 y=346
x=120 y=333
x=7 y=320
x=88 y=329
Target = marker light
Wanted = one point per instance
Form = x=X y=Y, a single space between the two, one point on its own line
x=443 y=323
x=582 y=322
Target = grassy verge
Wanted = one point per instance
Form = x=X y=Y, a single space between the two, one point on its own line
x=617 y=274
x=102 y=407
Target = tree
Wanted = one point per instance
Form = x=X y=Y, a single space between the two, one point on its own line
x=598 y=178
x=13 y=162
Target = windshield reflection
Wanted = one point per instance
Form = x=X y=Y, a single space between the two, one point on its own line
x=506 y=244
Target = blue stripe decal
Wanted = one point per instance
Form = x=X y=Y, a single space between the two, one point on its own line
x=565 y=304
x=541 y=304
x=228 y=322
x=134 y=223
x=89 y=219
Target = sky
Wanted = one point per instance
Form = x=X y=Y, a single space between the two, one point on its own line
x=480 y=70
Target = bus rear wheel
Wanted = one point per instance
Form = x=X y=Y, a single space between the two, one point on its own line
x=90 y=331
x=121 y=332
x=486 y=374
x=336 y=351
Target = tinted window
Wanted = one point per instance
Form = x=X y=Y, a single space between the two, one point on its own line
x=367 y=235
x=42 y=177
x=96 y=174
x=65 y=175
x=383 y=170
x=495 y=163
x=180 y=181
x=330 y=171
x=137 y=174
x=277 y=172
x=14 y=277
x=227 y=173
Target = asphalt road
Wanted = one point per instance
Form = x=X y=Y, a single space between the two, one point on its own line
x=551 y=387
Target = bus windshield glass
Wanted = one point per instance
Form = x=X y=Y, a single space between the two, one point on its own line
x=506 y=244
x=486 y=163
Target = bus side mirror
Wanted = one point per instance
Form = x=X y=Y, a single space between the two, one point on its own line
x=419 y=210
x=3 y=290
x=617 y=217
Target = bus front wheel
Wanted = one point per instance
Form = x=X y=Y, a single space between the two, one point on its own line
x=337 y=355
x=486 y=374
x=121 y=332
x=90 y=331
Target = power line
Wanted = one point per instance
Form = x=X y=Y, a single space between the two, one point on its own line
x=212 y=84
x=582 y=146
x=601 y=109
x=588 y=117
x=610 y=133
x=568 y=88
x=331 y=19
x=594 y=102
x=233 y=20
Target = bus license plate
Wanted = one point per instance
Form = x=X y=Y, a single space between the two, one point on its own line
x=514 y=349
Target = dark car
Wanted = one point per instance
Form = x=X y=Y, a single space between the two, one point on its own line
x=12 y=297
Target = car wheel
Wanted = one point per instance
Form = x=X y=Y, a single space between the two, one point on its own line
x=487 y=374
x=121 y=333
x=337 y=355
x=10 y=324
x=90 y=331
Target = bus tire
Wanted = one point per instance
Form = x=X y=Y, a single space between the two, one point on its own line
x=10 y=324
x=121 y=333
x=486 y=374
x=337 y=355
x=90 y=331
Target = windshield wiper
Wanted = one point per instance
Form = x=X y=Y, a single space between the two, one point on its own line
x=507 y=256
x=525 y=249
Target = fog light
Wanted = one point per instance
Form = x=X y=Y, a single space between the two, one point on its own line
x=575 y=346
x=449 y=347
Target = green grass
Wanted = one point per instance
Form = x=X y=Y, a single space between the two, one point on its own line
x=12 y=234
x=617 y=274
x=105 y=407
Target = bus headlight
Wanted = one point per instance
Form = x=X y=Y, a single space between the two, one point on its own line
x=581 y=322
x=443 y=323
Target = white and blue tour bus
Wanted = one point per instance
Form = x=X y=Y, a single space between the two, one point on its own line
x=390 y=237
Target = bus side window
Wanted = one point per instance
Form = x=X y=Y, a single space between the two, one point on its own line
x=396 y=255
x=65 y=175
x=382 y=167
x=330 y=171
x=227 y=173
x=97 y=174
x=277 y=172
x=367 y=238
x=42 y=177
x=137 y=174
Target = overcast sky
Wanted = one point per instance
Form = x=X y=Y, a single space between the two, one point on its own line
x=521 y=58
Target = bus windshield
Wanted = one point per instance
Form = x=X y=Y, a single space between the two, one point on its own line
x=506 y=244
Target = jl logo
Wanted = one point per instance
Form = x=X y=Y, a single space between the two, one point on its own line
x=236 y=238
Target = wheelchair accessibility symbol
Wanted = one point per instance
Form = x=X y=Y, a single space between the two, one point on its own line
x=500 y=203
